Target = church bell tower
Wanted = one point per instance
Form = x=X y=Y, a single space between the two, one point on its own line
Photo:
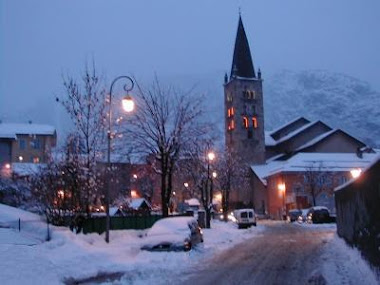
x=243 y=101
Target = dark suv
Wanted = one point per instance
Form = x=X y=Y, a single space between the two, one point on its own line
x=319 y=215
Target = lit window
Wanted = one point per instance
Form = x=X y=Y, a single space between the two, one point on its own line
x=245 y=122
x=229 y=97
x=254 y=122
x=231 y=125
x=230 y=112
x=36 y=159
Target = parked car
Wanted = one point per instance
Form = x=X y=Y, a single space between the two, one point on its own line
x=245 y=218
x=173 y=234
x=293 y=215
x=319 y=214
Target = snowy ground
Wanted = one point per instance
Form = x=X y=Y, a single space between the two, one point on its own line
x=26 y=259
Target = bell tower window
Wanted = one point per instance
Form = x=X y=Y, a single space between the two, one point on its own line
x=229 y=97
x=254 y=122
x=250 y=94
x=245 y=122
x=231 y=125
x=230 y=112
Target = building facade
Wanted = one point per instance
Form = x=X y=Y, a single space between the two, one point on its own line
x=22 y=144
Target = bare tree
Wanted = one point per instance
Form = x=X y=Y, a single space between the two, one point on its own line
x=232 y=173
x=314 y=179
x=199 y=169
x=85 y=102
x=164 y=123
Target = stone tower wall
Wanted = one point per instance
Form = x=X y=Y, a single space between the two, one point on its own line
x=246 y=143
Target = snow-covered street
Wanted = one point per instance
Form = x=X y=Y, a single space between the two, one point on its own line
x=70 y=258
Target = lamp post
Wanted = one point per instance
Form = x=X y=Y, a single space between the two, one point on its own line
x=210 y=158
x=282 y=188
x=128 y=106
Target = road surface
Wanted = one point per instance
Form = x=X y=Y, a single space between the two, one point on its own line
x=283 y=254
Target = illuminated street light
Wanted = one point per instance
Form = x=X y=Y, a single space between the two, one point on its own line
x=282 y=189
x=186 y=184
x=355 y=173
x=214 y=174
x=211 y=156
x=128 y=106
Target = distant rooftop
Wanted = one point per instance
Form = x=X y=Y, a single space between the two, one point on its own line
x=11 y=130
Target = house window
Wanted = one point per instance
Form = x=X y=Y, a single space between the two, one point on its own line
x=36 y=159
x=35 y=143
x=229 y=97
x=22 y=144
x=343 y=180
x=254 y=122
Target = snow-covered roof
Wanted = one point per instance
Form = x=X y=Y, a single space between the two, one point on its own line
x=113 y=210
x=26 y=169
x=137 y=202
x=296 y=132
x=11 y=130
x=317 y=139
x=193 y=202
x=287 y=124
x=328 y=162
x=322 y=137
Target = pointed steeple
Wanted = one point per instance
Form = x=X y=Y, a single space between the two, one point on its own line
x=242 y=65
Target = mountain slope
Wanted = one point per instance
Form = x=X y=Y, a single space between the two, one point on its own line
x=339 y=100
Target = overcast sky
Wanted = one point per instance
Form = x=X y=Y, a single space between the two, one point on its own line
x=41 y=40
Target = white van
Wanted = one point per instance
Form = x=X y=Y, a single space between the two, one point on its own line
x=245 y=218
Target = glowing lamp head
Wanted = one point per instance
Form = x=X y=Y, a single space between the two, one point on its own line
x=214 y=174
x=134 y=194
x=355 y=173
x=128 y=104
x=8 y=166
x=211 y=156
x=186 y=184
x=281 y=187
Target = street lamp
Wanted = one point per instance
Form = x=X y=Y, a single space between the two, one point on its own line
x=210 y=158
x=282 y=188
x=128 y=106
x=355 y=173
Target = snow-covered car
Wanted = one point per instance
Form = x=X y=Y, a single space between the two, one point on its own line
x=173 y=234
x=319 y=214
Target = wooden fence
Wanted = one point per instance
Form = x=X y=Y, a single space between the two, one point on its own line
x=358 y=213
